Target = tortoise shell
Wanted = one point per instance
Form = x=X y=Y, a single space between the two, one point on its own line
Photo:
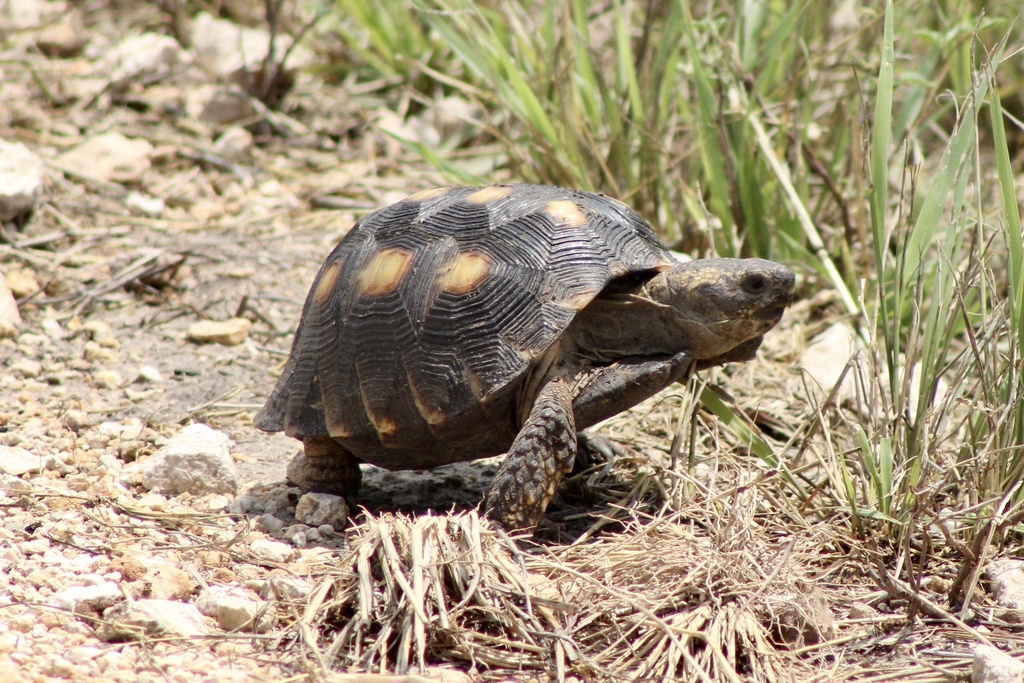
x=429 y=314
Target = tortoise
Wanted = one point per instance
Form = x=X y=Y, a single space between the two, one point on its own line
x=462 y=323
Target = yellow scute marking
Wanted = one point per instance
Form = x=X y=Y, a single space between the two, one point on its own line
x=464 y=273
x=579 y=300
x=489 y=194
x=424 y=195
x=566 y=212
x=431 y=416
x=385 y=426
x=334 y=428
x=385 y=272
x=326 y=283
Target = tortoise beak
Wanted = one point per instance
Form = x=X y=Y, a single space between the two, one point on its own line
x=784 y=280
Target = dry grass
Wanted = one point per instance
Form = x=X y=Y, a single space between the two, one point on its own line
x=668 y=598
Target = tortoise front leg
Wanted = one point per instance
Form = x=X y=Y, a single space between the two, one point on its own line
x=612 y=389
x=325 y=466
x=543 y=451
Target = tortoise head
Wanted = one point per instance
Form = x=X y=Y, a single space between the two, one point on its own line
x=723 y=307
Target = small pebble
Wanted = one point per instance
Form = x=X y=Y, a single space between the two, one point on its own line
x=153 y=501
x=99 y=354
x=227 y=332
x=17 y=461
x=52 y=328
x=149 y=373
x=108 y=379
x=139 y=203
x=271 y=551
x=26 y=367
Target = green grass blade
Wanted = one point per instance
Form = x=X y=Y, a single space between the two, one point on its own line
x=879 y=172
x=797 y=205
x=711 y=152
x=1010 y=212
x=739 y=428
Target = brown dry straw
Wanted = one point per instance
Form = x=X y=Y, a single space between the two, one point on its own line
x=661 y=600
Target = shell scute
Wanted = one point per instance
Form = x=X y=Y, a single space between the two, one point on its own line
x=426 y=317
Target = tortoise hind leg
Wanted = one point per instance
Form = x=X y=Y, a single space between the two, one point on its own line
x=325 y=466
x=543 y=451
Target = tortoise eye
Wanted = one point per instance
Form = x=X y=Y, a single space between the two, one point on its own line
x=755 y=283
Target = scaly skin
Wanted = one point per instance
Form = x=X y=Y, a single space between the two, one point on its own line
x=325 y=466
x=543 y=451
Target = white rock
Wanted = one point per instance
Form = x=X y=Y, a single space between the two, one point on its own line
x=107 y=379
x=110 y=464
x=52 y=328
x=26 y=367
x=37 y=546
x=164 y=581
x=101 y=333
x=110 y=157
x=315 y=509
x=64 y=38
x=149 y=373
x=271 y=551
x=451 y=117
x=225 y=49
x=23 y=283
x=245 y=615
x=209 y=598
x=128 y=429
x=10 y=317
x=145 y=54
x=288 y=589
x=87 y=598
x=87 y=563
x=992 y=665
x=826 y=356
x=11 y=485
x=138 y=203
x=234 y=143
x=227 y=332
x=235 y=609
x=196 y=460
x=21 y=179
x=28 y=14
x=217 y=503
x=1006 y=582
x=29 y=339
x=17 y=461
x=297 y=535
x=133 y=620
x=153 y=501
